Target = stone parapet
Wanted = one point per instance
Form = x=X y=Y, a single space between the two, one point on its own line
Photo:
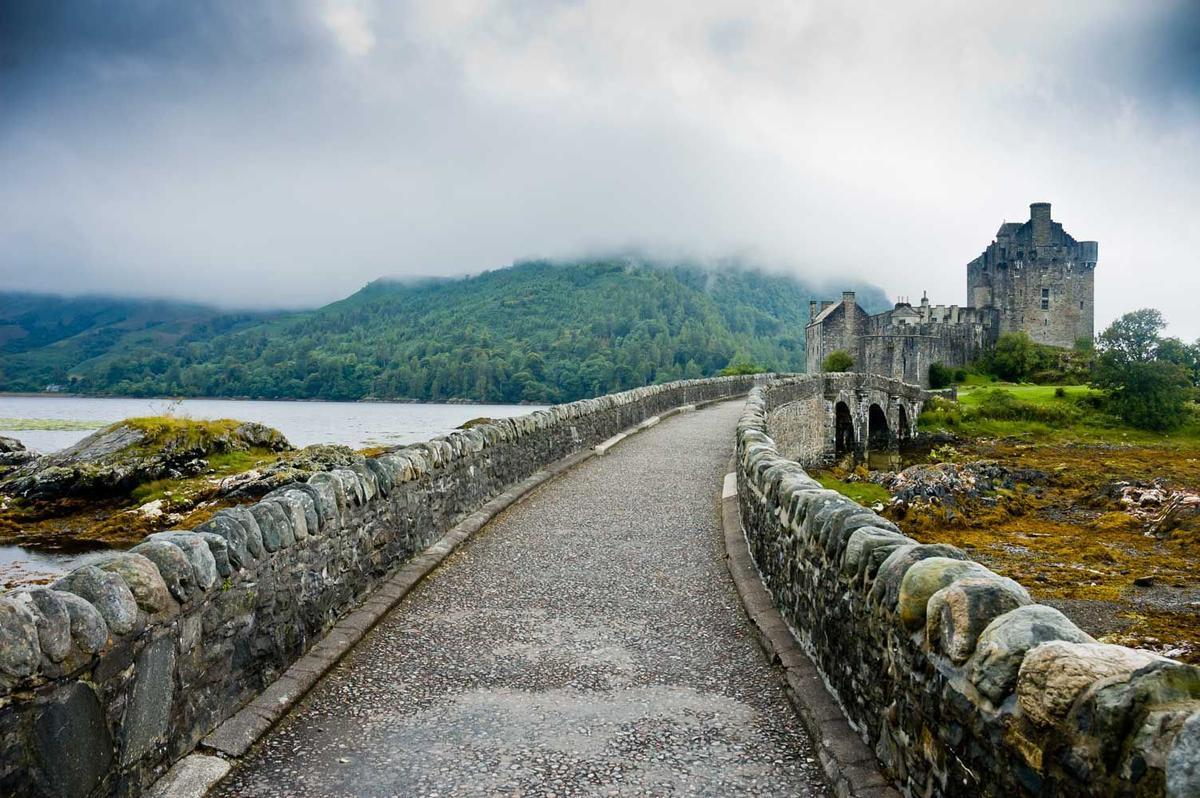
x=122 y=666
x=960 y=683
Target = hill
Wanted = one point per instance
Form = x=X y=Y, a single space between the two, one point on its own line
x=536 y=331
x=45 y=339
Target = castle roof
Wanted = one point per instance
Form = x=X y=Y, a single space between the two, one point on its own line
x=826 y=313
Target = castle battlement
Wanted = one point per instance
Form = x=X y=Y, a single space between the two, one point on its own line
x=1034 y=277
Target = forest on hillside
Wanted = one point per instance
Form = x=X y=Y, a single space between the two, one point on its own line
x=534 y=332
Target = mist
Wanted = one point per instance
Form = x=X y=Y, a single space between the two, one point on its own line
x=284 y=154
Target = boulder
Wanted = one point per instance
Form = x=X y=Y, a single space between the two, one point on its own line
x=89 y=631
x=1002 y=646
x=237 y=556
x=254 y=537
x=885 y=591
x=195 y=549
x=927 y=577
x=50 y=614
x=20 y=651
x=107 y=592
x=1056 y=673
x=219 y=548
x=172 y=565
x=144 y=581
x=958 y=613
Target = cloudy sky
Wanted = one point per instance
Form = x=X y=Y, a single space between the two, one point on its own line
x=285 y=153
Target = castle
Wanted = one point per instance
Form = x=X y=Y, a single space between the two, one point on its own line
x=1034 y=278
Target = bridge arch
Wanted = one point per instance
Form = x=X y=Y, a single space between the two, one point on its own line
x=879 y=433
x=843 y=426
x=903 y=425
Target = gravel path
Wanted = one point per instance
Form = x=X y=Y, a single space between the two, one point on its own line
x=588 y=641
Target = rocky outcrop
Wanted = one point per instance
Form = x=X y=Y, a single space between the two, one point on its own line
x=122 y=456
x=951 y=483
x=14 y=453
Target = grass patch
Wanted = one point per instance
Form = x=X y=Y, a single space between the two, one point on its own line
x=192 y=488
x=53 y=424
x=865 y=493
x=1046 y=414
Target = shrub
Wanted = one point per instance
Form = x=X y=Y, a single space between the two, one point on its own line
x=837 y=361
x=939 y=376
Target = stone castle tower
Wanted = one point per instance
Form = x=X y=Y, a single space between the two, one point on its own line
x=1034 y=278
x=1039 y=278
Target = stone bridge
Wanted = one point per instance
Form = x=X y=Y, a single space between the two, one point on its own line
x=820 y=420
x=553 y=605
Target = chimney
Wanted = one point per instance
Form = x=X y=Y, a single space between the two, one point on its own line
x=1039 y=214
x=848 y=297
x=812 y=309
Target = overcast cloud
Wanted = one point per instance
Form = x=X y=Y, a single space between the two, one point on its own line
x=283 y=154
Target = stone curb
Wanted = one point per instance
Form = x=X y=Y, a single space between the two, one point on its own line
x=196 y=774
x=849 y=764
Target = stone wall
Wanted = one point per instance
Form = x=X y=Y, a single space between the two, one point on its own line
x=961 y=683
x=123 y=666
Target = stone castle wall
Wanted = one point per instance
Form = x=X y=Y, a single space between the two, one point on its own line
x=881 y=345
x=1016 y=291
x=123 y=666
x=958 y=680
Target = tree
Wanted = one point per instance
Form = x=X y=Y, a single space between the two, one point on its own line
x=1145 y=387
x=1013 y=357
x=837 y=361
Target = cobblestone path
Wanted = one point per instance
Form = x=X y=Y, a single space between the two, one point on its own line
x=588 y=641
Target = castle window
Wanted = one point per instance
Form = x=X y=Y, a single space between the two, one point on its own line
x=1081 y=306
x=1045 y=299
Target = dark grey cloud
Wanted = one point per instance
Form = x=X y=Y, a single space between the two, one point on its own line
x=276 y=153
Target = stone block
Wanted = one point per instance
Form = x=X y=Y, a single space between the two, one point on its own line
x=140 y=574
x=107 y=592
x=173 y=567
x=958 y=613
x=218 y=546
x=234 y=535
x=1054 y=674
x=927 y=577
x=20 y=651
x=294 y=510
x=885 y=591
x=1002 y=646
x=860 y=544
x=71 y=742
x=254 y=538
x=273 y=524
x=1183 y=760
x=51 y=617
x=148 y=714
x=89 y=631
x=195 y=549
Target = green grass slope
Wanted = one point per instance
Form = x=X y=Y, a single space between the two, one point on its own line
x=537 y=331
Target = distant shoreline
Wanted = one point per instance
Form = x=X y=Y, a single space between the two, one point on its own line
x=66 y=395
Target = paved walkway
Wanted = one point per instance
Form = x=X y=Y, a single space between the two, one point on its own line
x=588 y=641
